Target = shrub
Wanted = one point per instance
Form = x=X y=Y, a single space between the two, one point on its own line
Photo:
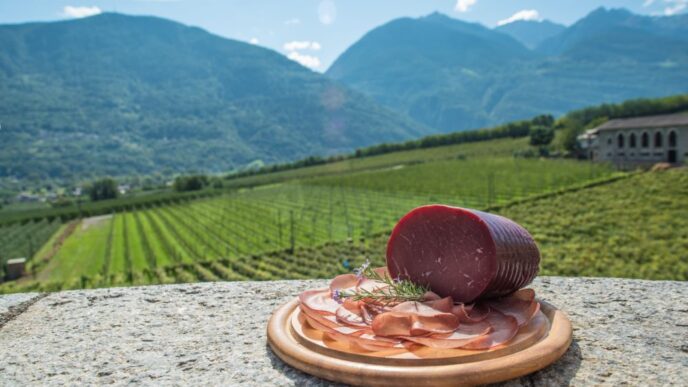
x=190 y=183
x=541 y=135
x=103 y=189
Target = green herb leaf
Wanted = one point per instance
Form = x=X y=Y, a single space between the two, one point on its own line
x=396 y=291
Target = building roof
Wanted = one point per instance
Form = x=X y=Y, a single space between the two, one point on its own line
x=661 y=121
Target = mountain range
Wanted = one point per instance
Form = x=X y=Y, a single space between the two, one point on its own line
x=452 y=75
x=531 y=33
x=123 y=95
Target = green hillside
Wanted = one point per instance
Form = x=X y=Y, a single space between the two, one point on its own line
x=457 y=75
x=123 y=95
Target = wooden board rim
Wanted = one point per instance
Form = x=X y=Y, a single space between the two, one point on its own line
x=523 y=362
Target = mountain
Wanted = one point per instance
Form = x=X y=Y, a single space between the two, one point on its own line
x=122 y=95
x=531 y=33
x=619 y=34
x=430 y=67
x=452 y=75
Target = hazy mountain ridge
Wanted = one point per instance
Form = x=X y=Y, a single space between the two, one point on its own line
x=531 y=33
x=115 y=94
x=608 y=56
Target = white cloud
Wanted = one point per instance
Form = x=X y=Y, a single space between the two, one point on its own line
x=295 y=46
x=464 y=5
x=327 y=12
x=78 y=12
x=675 y=6
x=254 y=40
x=293 y=21
x=305 y=60
x=525 y=14
x=301 y=45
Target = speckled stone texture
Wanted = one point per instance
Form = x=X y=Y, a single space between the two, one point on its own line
x=10 y=301
x=626 y=332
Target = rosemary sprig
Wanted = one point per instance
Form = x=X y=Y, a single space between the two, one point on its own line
x=396 y=291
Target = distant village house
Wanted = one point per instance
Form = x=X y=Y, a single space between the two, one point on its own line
x=639 y=141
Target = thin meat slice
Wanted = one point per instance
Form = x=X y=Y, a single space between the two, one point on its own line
x=370 y=285
x=324 y=318
x=504 y=328
x=319 y=300
x=381 y=271
x=521 y=305
x=471 y=313
x=414 y=319
x=351 y=313
x=355 y=336
x=443 y=304
x=430 y=296
x=344 y=282
x=348 y=317
x=465 y=334
x=320 y=306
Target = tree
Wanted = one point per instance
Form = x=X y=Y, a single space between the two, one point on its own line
x=541 y=135
x=103 y=189
x=190 y=183
x=546 y=120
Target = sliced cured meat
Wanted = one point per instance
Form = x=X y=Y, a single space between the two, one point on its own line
x=521 y=305
x=413 y=319
x=504 y=328
x=392 y=325
x=470 y=313
x=462 y=253
x=381 y=271
x=429 y=296
x=465 y=334
x=443 y=304
x=344 y=281
x=371 y=285
x=319 y=300
x=353 y=318
x=358 y=337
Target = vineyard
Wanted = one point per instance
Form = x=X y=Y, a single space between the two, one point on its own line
x=642 y=235
x=216 y=237
x=24 y=239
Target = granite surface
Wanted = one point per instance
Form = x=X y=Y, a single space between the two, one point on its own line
x=10 y=301
x=625 y=332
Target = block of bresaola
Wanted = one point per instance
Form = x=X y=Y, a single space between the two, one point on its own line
x=462 y=253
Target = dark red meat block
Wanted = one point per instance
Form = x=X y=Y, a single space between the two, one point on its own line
x=463 y=253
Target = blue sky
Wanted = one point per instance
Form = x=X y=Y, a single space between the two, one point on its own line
x=315 y=32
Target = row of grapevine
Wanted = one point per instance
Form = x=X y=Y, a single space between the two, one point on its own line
x=24 y=240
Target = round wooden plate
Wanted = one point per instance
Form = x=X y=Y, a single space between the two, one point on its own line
x=537 y=345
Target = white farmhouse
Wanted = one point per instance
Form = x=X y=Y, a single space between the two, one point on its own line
x=628 y=142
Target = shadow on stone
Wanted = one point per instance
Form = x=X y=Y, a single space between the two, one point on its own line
x=299 y=378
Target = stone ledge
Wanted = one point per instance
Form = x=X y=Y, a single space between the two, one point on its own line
x=625 y=331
